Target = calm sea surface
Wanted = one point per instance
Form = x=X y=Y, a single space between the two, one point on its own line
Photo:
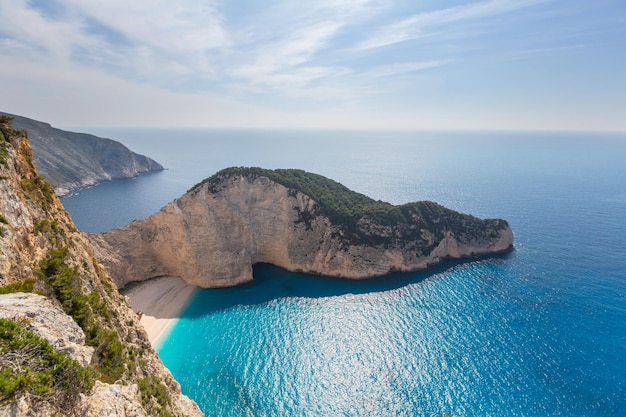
x=538 y=332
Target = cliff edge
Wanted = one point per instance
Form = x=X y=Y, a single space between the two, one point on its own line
x=70 y=345
x=213 y=234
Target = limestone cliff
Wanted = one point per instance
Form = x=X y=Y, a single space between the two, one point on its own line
x=41 y=251
x=70 y=160
x=213 y=234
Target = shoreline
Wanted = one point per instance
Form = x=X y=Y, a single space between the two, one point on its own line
x=160 y=302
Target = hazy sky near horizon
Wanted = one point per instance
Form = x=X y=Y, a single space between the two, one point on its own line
x=360 y=64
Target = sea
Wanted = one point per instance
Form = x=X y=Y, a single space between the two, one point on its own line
x=540 y=331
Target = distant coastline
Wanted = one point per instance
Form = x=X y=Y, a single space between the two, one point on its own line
x=72 y=161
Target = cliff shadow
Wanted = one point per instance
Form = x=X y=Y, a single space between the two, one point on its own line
x=271 y=282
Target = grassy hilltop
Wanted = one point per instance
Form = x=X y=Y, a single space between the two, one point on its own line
x=354 y=211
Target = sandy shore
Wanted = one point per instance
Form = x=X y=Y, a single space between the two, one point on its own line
x=160 y=300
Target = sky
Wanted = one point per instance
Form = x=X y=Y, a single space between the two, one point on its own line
x=328 y=64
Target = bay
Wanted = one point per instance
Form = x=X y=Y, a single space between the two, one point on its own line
x=540 y=332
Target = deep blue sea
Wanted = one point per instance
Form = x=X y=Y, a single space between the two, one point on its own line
x=538 y=332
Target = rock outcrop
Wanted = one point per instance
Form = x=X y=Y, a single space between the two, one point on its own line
x=42 y=251
x=37 y=314
x=212 y=235
x=71 y=161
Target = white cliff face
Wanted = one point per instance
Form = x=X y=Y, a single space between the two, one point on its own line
x=212 y=239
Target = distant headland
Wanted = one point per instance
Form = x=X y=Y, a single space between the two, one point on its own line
x=216 y=232
x=70 y=161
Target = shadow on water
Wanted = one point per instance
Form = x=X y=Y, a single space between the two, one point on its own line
x=271 y=282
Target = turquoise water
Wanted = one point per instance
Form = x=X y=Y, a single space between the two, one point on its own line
x=538 y=332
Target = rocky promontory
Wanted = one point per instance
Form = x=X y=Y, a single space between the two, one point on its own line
x=70 y=160
x=216 y=232
x=70 y=345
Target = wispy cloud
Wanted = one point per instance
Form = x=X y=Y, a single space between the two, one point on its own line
x=418 y=25
x=291 y=50
x=407 y=67
x=286 y=64
x=138 y=40
x=30 y=29
x=291 y=61
x=302 y=61
x=178 y=27
x=188 y=44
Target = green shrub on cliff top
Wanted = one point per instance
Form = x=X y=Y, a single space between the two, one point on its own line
x=29 y=364
x=335 y=199
x=345 y=208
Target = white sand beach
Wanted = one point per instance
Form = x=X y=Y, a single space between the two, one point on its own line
x=160 y=300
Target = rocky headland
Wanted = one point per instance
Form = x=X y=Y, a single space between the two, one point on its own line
x=216 y=232
x=70 y=345
x=70 y=160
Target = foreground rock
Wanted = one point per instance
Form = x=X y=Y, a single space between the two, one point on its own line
x=72 y=160
x=37 y=314
x=212 y=235
x=40 y=316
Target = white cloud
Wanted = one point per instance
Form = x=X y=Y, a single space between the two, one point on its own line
x=40 y=36
x=179 y=27
x=270 y=62
x=279 y=63
x=151 y=40
x=414 y=27
x=297 y=48
x=289 y=64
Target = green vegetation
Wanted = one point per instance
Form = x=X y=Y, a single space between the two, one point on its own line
x=3 y=220
x=35 y=186
x=25 y=285
x=4 y=151
x=7 y=133
x=29 y=364
x=335 y=199
x=154 y=396
x=355 y=213
x=88 y=310
x=38 y=190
